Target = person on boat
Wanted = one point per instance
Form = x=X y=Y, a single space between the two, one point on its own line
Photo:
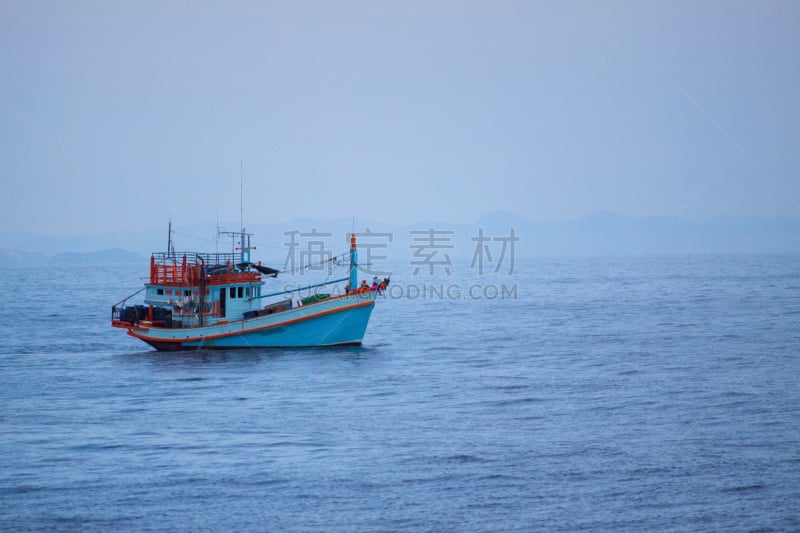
x=383 y=285
x=364 y=284
x=347 y=288
x=374 y=284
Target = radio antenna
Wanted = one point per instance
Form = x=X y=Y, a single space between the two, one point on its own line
x=216 y=237
x=241 y=194
x=170 y=246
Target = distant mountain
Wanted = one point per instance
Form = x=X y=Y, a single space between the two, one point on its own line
x=142 y=242
x=103 y=257
x=599 y=233
x=608 y=233
x=10 y=258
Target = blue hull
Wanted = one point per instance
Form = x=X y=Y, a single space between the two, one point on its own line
x=340 y=325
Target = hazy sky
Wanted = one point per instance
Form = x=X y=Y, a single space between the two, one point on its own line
x=118 y=115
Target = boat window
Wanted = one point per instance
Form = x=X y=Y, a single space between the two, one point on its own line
x=241 y=292
x=187 y=293
x=247 y=292
x=160 y=291
x=233 y=292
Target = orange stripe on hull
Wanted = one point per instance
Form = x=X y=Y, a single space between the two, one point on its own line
x=233 y=333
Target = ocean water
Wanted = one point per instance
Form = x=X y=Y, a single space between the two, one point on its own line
x=621 y=394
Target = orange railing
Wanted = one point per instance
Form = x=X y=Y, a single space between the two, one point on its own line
x=187 y=273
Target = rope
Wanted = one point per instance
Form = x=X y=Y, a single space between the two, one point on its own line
x=122 y=302
x=193 y=237
x=337 y=260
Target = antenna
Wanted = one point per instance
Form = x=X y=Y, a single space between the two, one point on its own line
x=216 y=237
x=170 y=246
x=244 y=237
x=241 y=195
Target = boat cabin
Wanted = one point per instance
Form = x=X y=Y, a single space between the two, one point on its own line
x=201 y=289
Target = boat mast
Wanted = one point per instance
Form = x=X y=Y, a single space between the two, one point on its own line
x=170 y=246
x=241 y=196
x=216 y=240
x=353 y=262
x=244 y=238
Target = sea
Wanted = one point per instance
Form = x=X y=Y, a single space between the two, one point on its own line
x=657 y=393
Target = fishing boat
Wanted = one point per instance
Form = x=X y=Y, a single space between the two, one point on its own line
x=216 y=300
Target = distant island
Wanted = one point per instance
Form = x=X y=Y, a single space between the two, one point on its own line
x=597 y=234
x=10 y=258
